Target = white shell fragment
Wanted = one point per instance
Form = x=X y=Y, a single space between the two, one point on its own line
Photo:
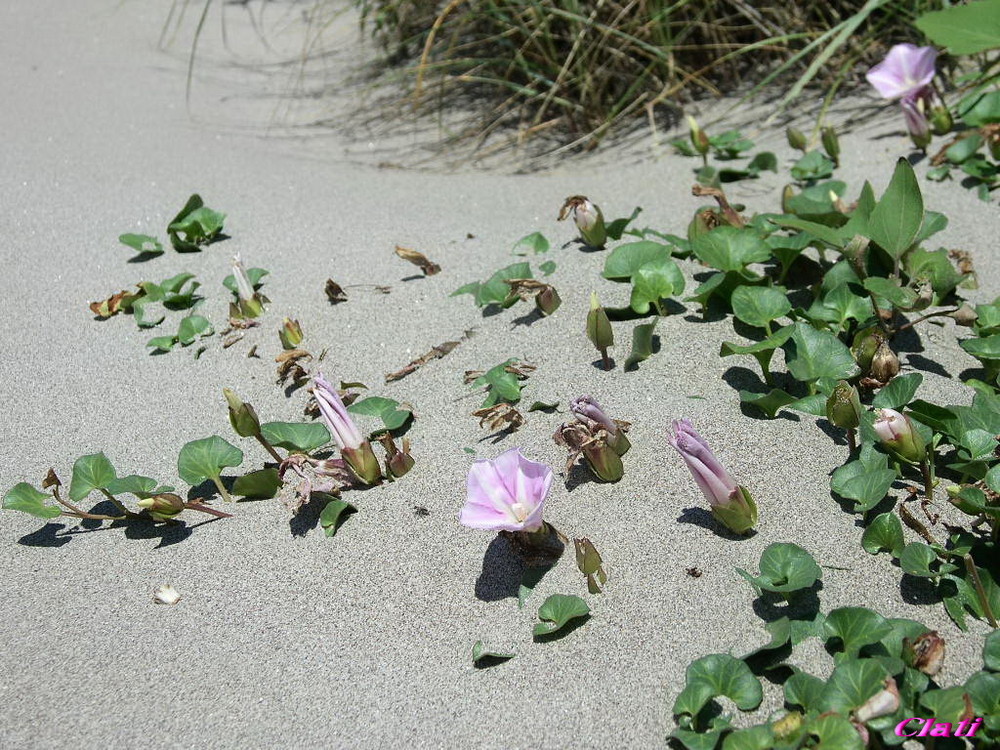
x=166 y=594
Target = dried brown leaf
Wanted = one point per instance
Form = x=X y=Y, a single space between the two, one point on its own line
x=334 y=292
x=500 y=416
x=418 y=259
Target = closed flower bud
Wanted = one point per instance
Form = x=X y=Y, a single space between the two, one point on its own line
x=883 y=703
x=866 y=343
x=548 y=300
x=290 y=333
x=916 y=122
x=786 y=199
x=843 y=408
x=831 y=144
x=599 y=329
x=941 y=122
x=241 y=415
x=925 y=652
x=698 y=138
x=163 y=506
x=899 y=437
x=397 y=462
x=588 y=219
x=796 y=139
x=885 y=363
x=363 y=463
x=604 y=461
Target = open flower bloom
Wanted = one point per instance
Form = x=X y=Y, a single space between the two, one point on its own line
x=345 y=433
x=244 y=289
x=731 y=504
x=506 y=493
x=904 y=72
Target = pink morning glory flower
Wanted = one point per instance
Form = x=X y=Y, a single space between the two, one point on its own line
x=506 y=493
x=713 y=480
x=345 y=433
x=904 y=72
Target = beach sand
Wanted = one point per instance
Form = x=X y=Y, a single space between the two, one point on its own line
x=283 y=637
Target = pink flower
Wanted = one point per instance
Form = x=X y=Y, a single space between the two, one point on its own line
x=506 y=493
x=713 y=480
x=345 y=433
x=904 y=72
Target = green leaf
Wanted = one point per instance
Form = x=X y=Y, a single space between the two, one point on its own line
x=615 y=229
x=495 y=289
x=897 y=217
x=813 y=165
x=899 y=392
x=254 y=275
x=852 y=683
x=730 y=249
x=804 y=690
x=263 y=483
x=770 y=403
x=655 y=281
x=135 y=484
x=885 y=532
x=25 y=498
x=623 y=262
x=642 y=345
x=752 y=738
x=980 y=109
x=500 y=385
x=945 y=704
x=558 y=610
x=146 y=316
x=483 y=657
x=917 y=558
x=986 y=349
x=964 y=29
x=193 y=327
x=811 y=354
x=759 y=305
x=834 y=732
x=963 y=149
x=534 y=243
x=392 y=414
x=471 y=288
x=841 y=304
x=546 y=406
x=198 y=225
x=142 y=243
x=333 y=515
x=547 y=268
x=162 y=343
x=856 y=627
x=900 y=297
x=298 y=437
x=92 y=472
x=718 y=675
x=984 y=689
x=784 y=568
x=865 y=480
x=991 y=651
x=204 y=459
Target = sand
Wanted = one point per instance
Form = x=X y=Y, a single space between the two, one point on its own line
x=287 y=639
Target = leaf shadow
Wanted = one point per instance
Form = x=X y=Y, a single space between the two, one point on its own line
x=47 y=536
x=579 y=475
x=307 y=518
x=598 y=364
x=920 y=362
x=528 y=319
x=703 y=518
x=799 y=605
x=565 y=630
x=143 y=257
x=503 y=572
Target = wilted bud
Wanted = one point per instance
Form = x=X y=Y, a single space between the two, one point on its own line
x=925 y=652
x=965 y=316
x=699 y=225
x=883 y=703
x=589 y=561
x=363 y=463
x=290 y=333
x=241 y=415
x=548 y=300
x=599 y=329
x=885 y=363
x=698 y=138
x=925 y=296
x=796 y=139
x=397 y=462
x=843 y=408
x=831 y=144
x=866 y=343
x=898 y=436
x=588 y=219
x=163 y=506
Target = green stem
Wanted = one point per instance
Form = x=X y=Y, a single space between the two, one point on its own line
x=970 y=567
x=116 y=502
x=852 y=439
x=206 y=509
x=925 y=470
x=606 y=359
x=222 y=490
x=268 y=447
x=78 y=512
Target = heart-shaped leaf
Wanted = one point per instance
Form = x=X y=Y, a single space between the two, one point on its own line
x=805 y=691
x=730 y=249
x=718 y=675
x=852 y=683
x=865 y=480
x=533 y=243
x=298 y=437
x=557 y=611
x=25 y=498
x=834 y=733
x=899 y=214
x=93 y=472
x=192 y=327
x=917 y=558
x=483 y=657
x=142 y=243
x=811 y=354
x=204 y=459
x=140 y=486
x=333 y=515
x=885 y=532
x=392 y=414
x=856 y=627
x=653 y=282
x=263 y=483
x=899 y=392
x=625 y=260
x=784 y=568
x=759 y=305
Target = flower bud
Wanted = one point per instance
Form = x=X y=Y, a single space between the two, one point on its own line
x=241 y=415
x=899 y=437
x=363 y=463
x=698 y=138
x=599 y=329
x=965 y=316
x=588 y=219
x=866 y=343
x=941 y=122
x=787 y=726
x=885 y=363
x=547 y=300
x=290 y=333
x=831 y=144
x=163 y=506
x=698 y=226
x=397 y=462
x=883 y=703
x=589 y=561
x=916 y=121
x=796 y=139
x=843 y=408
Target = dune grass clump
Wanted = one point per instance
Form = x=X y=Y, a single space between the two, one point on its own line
x=574 y=69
